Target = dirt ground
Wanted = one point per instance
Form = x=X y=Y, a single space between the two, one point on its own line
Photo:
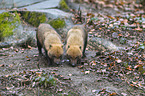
x=97 y=76
x=84 y=83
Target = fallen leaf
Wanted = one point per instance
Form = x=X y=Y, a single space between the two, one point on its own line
x=69 y=74
x=120 y=35
x=113 y=94
x=28 y=59
x=134 y=82
x=94 y=63
x=35 y=55
x=118 y=61
x=7 y=75
x=124 y=94
x=138 y=29
x=60 y=90
x=33 y=84
x=132 y=85
x=66 y=78
x=93 y=91
x=8 y=88
x=111 y=25
x=16 y=50
x=53 y=73
x=111 y=17
x=103 y=70
x=136 y=66
x=129 y=68
x=87 y=72
x=139 y=84
x=11 y=65
x=29 y=47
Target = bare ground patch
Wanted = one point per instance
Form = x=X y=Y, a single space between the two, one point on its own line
x=72 y=80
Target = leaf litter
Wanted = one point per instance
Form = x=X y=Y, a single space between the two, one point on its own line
x=121 y=68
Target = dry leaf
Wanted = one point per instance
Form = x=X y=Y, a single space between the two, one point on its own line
x=124 y=94
x=87 y=72
x=11 y=65
x=69 y=74
x=29 y=47
x=138 y=29
x=111 y=17
x=118 y=61
x=113 y=94
x=132 y=85
x=129 y=68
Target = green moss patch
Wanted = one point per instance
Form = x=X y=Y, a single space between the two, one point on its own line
x=63 y=5
x=57 y=23
x=8 y=22
x=34 y=18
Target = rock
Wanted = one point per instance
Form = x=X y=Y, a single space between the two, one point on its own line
x=6 y=3
x=1 y=11
x=29 y=4
x=8 y=23
x=22 y=3
x=102 y=44
x=23 y=36
x=54 y=13
x=115 y=35
x=73 y=5
x=43 y=5
x=5 y=44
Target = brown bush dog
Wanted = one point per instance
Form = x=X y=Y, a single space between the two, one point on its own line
x=76 y=44
x=50 y=41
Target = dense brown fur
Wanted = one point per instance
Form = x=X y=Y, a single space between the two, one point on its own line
x=50 y=40
x=76 y=44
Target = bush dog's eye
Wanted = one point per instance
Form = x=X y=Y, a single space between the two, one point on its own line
x=80 y=47
x=50 y=46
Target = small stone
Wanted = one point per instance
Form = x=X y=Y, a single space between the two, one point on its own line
x=114 y=35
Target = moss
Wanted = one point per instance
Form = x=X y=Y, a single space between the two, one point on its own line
x=57 y=23
x=63 y=5
x=34 y=18
x=8 y=22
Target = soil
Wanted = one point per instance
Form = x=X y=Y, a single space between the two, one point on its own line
x=16 y=60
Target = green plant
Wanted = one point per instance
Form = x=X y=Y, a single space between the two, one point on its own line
x=34 y=18
x=8 y=22
x=45 y=80
x=63 y=5
x=57 y=23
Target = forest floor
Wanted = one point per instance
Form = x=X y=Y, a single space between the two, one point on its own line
x=20 y=66
x=118 y=73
